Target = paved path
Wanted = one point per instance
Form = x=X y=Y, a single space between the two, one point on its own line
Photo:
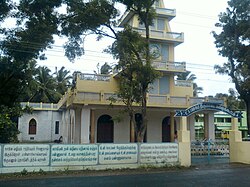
x=204 y=176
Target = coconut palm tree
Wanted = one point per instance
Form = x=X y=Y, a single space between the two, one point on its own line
x=63 y=80
x=190 y=77
x=45 y=85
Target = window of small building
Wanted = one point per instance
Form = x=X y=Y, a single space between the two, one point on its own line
x=221 y=120
x=32 y=126
x=228 y=120
x=57 y=127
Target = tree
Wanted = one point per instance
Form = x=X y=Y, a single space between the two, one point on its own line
x=8 y=129
x=45 y=87
x=190 y=77
x=128 y=66
x=38 y=21
x=233 y=103
x=233 y=43
x=146 y=73
x=63 y=80
x=106 y=68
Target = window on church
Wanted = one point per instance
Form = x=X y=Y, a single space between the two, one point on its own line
x=32 y=126
x=57 y=127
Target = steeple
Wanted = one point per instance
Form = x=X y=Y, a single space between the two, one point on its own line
x=162 y=39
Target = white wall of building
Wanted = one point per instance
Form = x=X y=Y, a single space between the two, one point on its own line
x=45 y=126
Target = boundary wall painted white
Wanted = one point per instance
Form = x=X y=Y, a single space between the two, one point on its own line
x=52 y=157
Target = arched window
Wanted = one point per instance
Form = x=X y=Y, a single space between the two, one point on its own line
x=32 y=126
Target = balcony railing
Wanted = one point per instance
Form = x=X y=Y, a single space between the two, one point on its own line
x=183 y=83
x=169 y=13
x=173 y=36
x=153 y=100
x=94 y=77
x=170 y=66
x=40 y=106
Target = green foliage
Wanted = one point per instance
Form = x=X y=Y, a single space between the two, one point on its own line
x=63 y=80
x=233 y=103
x=106 y=68
x=5 y=7
x=134 y=74
x=233 y=43
x=8 y=128
x=24 y=172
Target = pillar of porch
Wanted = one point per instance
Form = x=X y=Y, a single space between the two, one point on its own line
x=132 y=132
x=172 y=127
x=184 y=143
x=85 y=124
x=209 y=129
x=92 y=127
x=191 y=127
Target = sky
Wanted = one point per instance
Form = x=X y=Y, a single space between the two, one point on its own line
x=195 y=18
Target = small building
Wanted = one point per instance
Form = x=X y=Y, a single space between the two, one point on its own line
x=222 y=124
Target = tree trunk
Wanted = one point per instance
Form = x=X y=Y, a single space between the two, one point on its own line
x=132 y=128
x=248 y=115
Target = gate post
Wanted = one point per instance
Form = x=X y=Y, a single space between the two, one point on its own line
x=234 y=139
x=184 y=143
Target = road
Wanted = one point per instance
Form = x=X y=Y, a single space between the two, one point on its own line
x=204 y=176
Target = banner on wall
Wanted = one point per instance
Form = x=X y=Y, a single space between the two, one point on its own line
x=26 y=155
x=118 y=153
x=159 y=153
x=74 y=154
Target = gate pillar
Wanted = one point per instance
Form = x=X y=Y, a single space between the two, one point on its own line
x=235 y=139
x=184 y=143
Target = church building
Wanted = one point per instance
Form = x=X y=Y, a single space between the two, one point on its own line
x=84 y=114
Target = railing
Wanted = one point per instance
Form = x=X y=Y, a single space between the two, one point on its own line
x=171 y=66
x=183 y=83
x=98 y=98
x=94 y=77
x=48 y=106
x=163 y=11
x=162 y=34
x=153 y=99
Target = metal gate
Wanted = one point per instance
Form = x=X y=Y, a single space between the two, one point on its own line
x=209 y=152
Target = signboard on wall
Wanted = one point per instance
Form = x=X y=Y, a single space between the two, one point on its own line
x=158 y=153
x=26 y=155
x=63 y=154
x=118 y=153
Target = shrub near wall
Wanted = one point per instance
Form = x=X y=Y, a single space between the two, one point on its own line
x=49 y=157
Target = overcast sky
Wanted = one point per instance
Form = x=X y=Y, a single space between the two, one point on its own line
x=196 y=18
